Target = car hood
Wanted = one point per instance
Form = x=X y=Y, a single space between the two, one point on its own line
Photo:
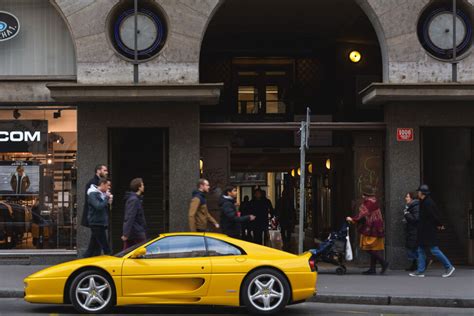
x=65 y=269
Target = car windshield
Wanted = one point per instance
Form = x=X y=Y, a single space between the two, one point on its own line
x=130 y=249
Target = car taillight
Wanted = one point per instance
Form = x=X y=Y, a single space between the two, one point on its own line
x=312 y=265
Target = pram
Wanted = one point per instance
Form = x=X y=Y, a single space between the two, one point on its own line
x=333 y=250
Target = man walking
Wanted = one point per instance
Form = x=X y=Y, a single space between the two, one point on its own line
x=429 y=223
x=134 y=224
x=199 y=215
x=230 y=218
x=262 y=208
x=98 y=200
x=101 y=172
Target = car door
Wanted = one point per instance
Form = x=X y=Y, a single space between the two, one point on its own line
x=230 y=264
x=174 y=269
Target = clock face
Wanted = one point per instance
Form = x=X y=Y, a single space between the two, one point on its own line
x=435 y=32
x=151 y=34
x=146 y=32
x=440 y=30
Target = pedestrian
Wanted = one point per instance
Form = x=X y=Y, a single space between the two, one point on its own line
x=262 y=208
x=286 y=212
x=199 y=215
x=230 y=218
x=428 y=225
x=134 y=224
x=244 y=211
x=411 y=214
x=98 y=199
x=371 y=229
x=101 y=172
x=20 y=182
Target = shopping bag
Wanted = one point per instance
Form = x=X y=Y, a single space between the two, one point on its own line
x=349 y=255
x=275 y=239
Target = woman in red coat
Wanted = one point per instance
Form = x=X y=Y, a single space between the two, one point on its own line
x=371 y=229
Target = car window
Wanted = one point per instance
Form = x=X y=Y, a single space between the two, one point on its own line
x=217 y=247
x=177 y=247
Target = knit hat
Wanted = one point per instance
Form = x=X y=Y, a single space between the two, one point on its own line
x=425 y=189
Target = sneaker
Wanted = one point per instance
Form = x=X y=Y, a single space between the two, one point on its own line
x=417 y=274
x=449 y=272
x=369 y=272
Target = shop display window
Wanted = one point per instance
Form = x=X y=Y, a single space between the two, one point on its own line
x=38 y=208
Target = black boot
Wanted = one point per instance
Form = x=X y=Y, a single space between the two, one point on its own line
x=384 y=267
x=413 y=266
x=369 y=272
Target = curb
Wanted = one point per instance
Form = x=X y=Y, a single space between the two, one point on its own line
x=350 y=299
x=392 y=300
x=11 y=293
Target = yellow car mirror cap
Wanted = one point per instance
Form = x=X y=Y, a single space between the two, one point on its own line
x=139 y=253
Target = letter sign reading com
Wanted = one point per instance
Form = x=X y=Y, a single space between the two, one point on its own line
x=24 y=136
x=405 y=134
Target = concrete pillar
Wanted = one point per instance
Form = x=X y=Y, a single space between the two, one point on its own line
x=402 y=174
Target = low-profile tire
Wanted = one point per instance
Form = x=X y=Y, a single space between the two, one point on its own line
x=92 y=292
x=265 y=291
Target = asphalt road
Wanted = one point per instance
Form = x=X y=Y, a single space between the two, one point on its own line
x=17 y=306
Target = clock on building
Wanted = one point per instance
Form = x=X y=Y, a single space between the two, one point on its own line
x=435 y=32
x=151 y=33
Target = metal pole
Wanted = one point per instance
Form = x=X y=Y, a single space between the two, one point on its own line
x=302 y=187
x=135 y=53
x=454 y=62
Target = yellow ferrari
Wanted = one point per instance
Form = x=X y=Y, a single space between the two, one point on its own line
x=180 y=268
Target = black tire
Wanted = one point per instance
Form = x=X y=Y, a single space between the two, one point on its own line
x=340 y=271
x=281 y=285
x=82 y=278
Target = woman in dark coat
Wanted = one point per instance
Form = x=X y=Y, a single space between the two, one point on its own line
x=428 y=225
x=411 y=215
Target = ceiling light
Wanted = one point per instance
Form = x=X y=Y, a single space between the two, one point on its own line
x=355 y=56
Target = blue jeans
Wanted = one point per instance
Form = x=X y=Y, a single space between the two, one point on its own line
x=435 y=251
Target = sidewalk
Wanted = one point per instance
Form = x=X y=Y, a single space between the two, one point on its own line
x=395 y=288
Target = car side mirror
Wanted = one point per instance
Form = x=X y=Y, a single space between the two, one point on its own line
x=139 y=253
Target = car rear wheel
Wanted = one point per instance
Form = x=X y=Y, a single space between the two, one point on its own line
x=265 y=291
x=91 y=292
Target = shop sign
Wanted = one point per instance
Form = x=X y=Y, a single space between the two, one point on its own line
x=9 y=26
x=405 y=134
x=24 y=136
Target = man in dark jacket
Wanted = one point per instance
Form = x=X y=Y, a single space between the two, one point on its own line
x=428 y=225
x=230 y=218
x=98 y=200
x=261 y=207
x=411 y=214
x=286 y=213
x=101 y=172
x=134 y=224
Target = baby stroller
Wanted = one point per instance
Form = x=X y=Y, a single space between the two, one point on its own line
x=333 y=250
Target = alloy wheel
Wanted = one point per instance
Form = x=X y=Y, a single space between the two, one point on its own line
x=93 y=292
x=266 y=292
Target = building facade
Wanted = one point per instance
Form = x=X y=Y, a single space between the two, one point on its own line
x=218 y=88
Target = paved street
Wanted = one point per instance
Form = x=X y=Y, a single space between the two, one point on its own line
x=17 y=306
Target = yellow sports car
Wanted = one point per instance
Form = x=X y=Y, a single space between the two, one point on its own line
x=180 y=268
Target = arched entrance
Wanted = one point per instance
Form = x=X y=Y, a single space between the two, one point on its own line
x=276 y=58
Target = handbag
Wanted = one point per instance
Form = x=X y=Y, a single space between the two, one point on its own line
x=349 y=256
x=275 y=239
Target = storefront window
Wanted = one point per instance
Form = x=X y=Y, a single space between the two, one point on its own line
x=38 y=207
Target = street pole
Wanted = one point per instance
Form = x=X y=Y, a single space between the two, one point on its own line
x=304 y=135
x=135 y=53
x=454 y=62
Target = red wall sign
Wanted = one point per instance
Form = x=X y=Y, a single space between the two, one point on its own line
x=405 y=134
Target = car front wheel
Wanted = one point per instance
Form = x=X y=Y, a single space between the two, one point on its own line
x=92 y=292
x=265 y=291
